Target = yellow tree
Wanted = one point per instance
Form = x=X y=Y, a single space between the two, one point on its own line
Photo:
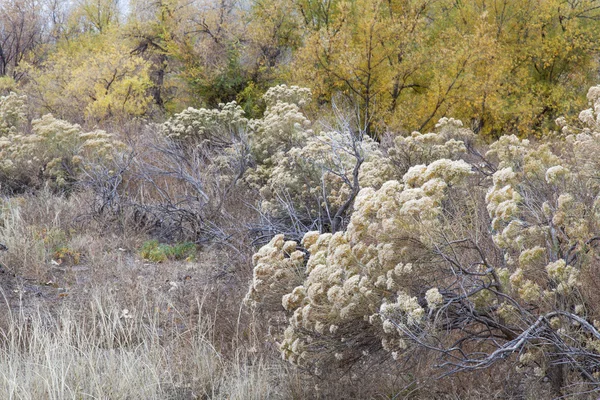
x=539 y=56
x=94 y=77
x=555 y=50
x=274 y=30
x=365 y=49
x=503 y=65
x=464 y=68
x=95 y=15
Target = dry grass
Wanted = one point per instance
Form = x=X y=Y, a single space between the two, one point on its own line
x=99 y=351
x=64 y=333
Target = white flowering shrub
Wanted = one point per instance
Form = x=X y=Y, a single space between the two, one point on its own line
x=215 y=126
x=282 y=127
x=278 y=269
x=450 y=140
x=351 y=275
x=55 y=151
x=589 y=117
x=13 y=113
x=308 y=177
x=287 y=94
x=322 y=176
x=477 y=253
x=218 y=136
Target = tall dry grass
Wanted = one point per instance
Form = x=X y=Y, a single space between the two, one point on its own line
x=101 y=351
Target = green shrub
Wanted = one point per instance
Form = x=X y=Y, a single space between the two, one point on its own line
x=154 y=251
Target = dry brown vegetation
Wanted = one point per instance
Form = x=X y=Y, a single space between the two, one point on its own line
x=84 y=315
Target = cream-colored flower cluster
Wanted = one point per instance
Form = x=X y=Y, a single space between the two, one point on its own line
x=356 y=281
x=434 y=298
x=282 y=127
x=317 y=176
x=448 y=141
x=565 y=276
x=13 y=113
x=591 y=116
x=278 y=269
x=306 y=171
x=213 y=125
x=545 y=210
x=55 y=150
x=287 y=94
x=404 y=313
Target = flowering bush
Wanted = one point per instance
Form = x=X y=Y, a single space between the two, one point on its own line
x=306 y=177
x=320 y=177
x=12 y=113
x=287 y=94
x=203 y=125
x=309 y=176
x=283 y=125
x=351 y=275
x=449 y=141
x=55 y=151
x=476 y=253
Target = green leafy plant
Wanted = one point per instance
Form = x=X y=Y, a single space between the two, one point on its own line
x=154 y=251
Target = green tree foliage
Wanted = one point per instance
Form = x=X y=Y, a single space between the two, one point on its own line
x=197 y=49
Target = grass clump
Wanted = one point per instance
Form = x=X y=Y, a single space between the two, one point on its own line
x=154 y=251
